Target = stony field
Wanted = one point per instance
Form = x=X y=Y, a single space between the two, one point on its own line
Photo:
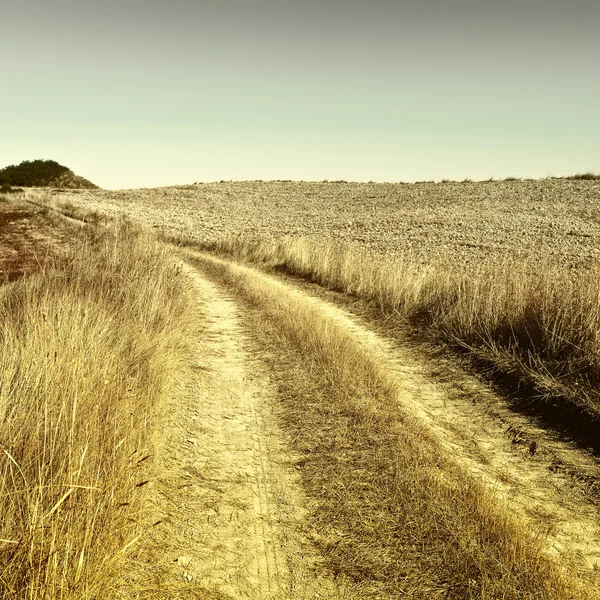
x=465 y=221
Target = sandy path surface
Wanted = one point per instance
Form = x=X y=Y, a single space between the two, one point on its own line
x=543 y=479
x=545 y=483
x=234 y=506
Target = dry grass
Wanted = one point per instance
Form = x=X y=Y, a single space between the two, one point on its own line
x=388 y=509
x=540 y=325
x=89 y=347
x=51 y=203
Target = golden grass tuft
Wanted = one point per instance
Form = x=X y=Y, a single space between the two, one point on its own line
x=88 y=348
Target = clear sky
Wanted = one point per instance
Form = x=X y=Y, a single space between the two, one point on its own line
x=140 y=93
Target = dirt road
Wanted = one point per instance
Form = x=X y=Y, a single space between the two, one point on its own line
x=237 y=511
x=543 y=478
x=229 y=495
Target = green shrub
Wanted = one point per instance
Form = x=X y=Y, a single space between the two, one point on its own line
x=32 y=173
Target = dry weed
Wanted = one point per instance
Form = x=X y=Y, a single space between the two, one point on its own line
x=88 y=347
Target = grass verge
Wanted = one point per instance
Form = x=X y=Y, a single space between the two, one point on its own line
x=89 y=346
x=388 y=509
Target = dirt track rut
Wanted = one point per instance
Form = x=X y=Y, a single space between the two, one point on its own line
x=478 y=429
x=235 y=506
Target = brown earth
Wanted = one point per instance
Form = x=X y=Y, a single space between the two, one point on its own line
x=29 y=236
x=553 y=219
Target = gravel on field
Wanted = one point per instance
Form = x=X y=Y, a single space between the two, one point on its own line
x=555 y=220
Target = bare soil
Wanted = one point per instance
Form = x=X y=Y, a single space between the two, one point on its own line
x=556 y=220
x=28 y=238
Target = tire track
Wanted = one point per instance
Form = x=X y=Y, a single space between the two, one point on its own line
x=229 y=490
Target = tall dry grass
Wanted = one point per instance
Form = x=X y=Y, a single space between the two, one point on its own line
x=390 y=509
x=55 y=205
x=88 y=347
x=540 y=324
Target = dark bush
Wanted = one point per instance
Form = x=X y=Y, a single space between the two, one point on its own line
x=6 y=188
x=585 y=176
x=32 y=173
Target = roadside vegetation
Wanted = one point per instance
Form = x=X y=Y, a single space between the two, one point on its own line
x=90 y=346
x=538 y=325
x=5 y=189
x=390 y=509
x=584 y=176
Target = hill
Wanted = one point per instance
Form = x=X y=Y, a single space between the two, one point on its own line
x=43 y=173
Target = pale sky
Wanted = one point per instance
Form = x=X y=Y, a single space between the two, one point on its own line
x=141 y=93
